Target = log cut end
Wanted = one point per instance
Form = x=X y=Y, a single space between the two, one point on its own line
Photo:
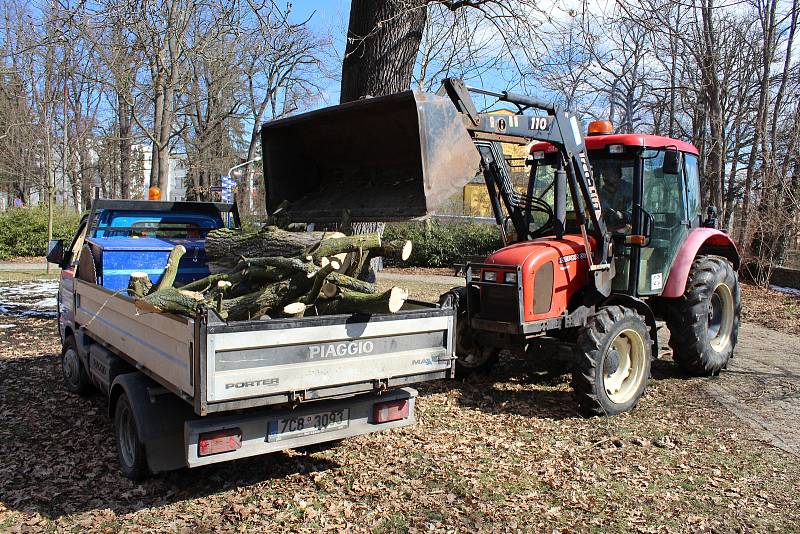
x=397 y=297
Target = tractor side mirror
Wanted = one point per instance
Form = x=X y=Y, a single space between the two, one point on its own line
x=55 y=251
x=672 y=161
x=711 y=217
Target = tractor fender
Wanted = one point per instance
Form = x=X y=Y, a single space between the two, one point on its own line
x=699 y=241
x=641 y=307
x=159 y=415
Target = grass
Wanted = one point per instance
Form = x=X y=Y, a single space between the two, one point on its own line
x=21 y=276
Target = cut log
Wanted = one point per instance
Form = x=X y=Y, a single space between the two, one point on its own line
x=348 y=282
x=139 y=284
x=343 y=244
x=288 y=266
x=329 y=290
x=225 y=246
x=171 y=269
x=272 y=297
x=319 y=281
x=295 y=309
x=204 y=284
x=397 y=249
x=171 y=300
x=349 y=301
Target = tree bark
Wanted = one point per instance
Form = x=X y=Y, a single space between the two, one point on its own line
x=225 y=247
x=171 y=300
x=139 y=285
x=124 y=123
x=171 y=269
x=269 y=298
x=383 y=39
x=349 y=301
x=348 y=282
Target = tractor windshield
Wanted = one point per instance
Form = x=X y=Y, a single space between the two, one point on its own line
x=543 y=173
x=613 y=176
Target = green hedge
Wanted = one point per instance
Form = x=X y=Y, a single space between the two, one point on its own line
x=23 y=232
x=438 y=244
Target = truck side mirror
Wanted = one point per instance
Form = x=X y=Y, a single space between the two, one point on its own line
x=672 y=161
x=55 y=251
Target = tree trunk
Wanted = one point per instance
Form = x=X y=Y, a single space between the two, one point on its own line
x=124 y=122
x=383 y=39
x=224 y=247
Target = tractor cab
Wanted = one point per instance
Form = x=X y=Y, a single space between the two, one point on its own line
x=649 y=188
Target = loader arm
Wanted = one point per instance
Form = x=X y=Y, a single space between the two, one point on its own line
x=559 y=128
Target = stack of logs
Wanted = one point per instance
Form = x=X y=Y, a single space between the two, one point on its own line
x=277 y=273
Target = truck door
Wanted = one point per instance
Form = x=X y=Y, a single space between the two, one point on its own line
x=66 y=299
x=663 y=197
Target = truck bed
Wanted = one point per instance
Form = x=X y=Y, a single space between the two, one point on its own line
x=218 y=366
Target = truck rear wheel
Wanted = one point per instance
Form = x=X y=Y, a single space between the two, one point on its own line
x=75 y=378
x=130 y=449
x=614 y=356
x=704 y=323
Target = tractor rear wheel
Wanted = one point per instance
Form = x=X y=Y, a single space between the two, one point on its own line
x=614 y=355
x=704 y=323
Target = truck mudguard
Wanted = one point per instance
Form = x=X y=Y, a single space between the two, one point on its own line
x=159 y=417
x=699 y=241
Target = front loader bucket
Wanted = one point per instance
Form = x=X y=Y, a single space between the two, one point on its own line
x=387 y=158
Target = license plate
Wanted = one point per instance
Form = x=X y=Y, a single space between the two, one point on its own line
x=305 y=425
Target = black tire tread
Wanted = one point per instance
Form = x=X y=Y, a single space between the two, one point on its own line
x=139 y=470
x=686 y=318
x=462 y=372
x=590 y=346
x=84 y=383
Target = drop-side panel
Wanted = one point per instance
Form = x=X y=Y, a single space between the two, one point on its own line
x=268 y=362
x=162 y=343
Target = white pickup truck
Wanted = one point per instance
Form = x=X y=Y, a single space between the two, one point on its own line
x=189 y=392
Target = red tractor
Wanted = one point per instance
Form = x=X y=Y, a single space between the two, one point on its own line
x=607 y=238
x=643 y=254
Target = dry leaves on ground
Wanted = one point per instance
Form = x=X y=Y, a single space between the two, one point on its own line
x=503 y=453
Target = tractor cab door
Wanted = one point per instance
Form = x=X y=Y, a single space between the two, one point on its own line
x=664 y=212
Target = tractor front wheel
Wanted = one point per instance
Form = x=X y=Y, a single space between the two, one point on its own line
x=704 y=323
x=614 y=355
x=471 y=357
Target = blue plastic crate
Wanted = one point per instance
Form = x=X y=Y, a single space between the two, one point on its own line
x=117 y=257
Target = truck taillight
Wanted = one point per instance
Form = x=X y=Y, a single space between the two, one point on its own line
x=384 y=412
x=226 y=440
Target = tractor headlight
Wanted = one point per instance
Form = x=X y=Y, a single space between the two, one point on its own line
x=616 y=149
x=490 y=276
x=510 y=278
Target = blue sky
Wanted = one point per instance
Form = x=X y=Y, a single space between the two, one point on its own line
x=327 y=17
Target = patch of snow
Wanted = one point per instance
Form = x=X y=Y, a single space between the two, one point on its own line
x=786 y=290
x=35 y=298
x=6 y=326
